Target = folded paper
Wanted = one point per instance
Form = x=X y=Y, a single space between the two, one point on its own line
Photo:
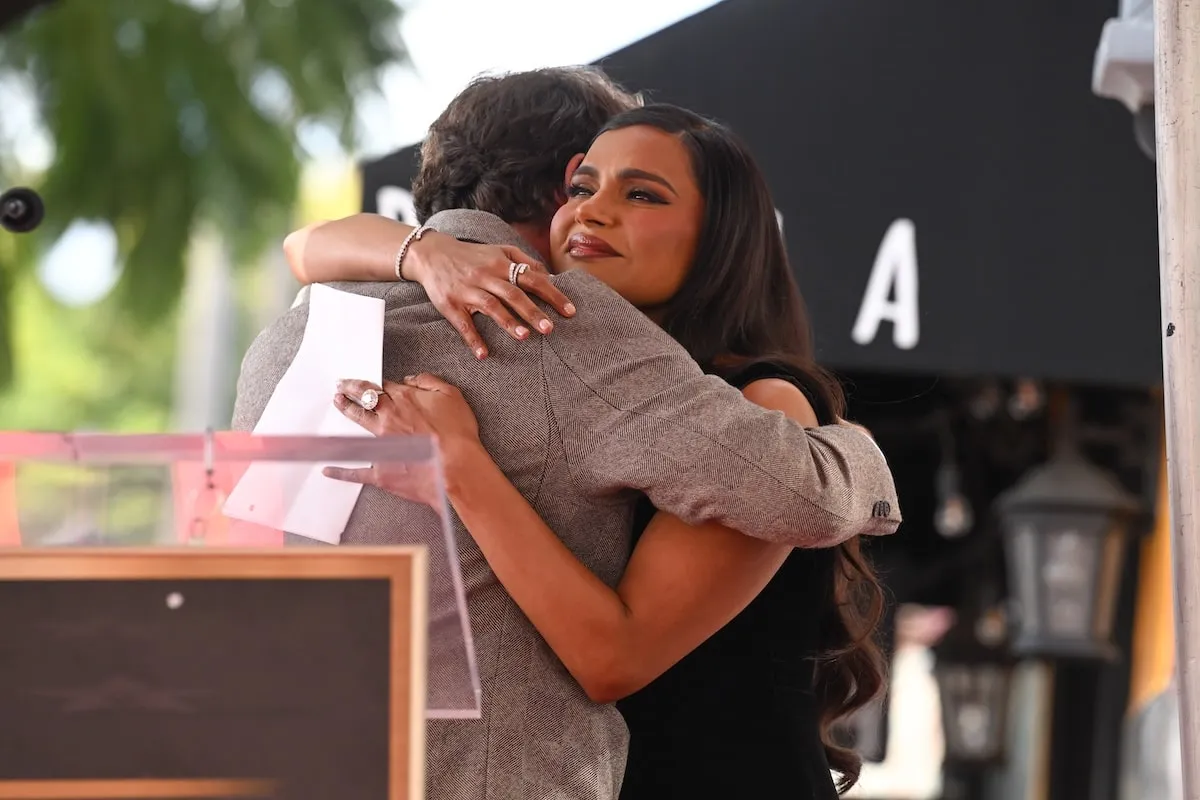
x=342 y=339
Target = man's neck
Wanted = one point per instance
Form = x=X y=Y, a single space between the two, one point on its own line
x=537 y=235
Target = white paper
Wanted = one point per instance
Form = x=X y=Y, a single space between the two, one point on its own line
x=343 y=339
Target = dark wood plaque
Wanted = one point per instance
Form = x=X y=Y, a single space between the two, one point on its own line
x=289 y=674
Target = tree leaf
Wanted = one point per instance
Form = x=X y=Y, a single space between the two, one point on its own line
x=167 y=116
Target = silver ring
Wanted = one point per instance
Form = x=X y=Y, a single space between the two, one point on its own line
x=515 y=271
x=370 y=399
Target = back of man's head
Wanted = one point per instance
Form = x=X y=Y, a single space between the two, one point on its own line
x=501 y=146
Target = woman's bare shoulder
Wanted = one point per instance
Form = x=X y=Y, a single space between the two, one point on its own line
x=781 y=395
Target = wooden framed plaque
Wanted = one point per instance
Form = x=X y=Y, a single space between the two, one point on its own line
x=215 y=674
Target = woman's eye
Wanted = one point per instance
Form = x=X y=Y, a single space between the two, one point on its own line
x=576 y=190
x=645 y=196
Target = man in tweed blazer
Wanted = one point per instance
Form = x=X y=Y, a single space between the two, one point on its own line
x=581 y=422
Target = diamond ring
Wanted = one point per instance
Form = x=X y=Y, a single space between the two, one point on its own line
x=370 y=399
x=515 y=271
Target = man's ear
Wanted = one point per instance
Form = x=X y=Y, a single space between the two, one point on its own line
x=572 y=165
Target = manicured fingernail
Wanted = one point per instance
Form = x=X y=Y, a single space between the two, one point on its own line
x=410 y=377
x=480 y=353
x=545 y=326
x=569 y=308
x=522 y=331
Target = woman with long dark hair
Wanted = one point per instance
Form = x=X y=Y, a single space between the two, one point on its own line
x=730 y=658
x=737 y=714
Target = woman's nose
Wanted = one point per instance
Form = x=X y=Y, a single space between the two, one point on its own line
x=595 y=210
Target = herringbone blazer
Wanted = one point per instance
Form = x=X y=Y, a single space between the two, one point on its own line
x=582 y=422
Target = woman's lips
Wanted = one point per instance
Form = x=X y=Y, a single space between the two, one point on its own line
x=581 y=245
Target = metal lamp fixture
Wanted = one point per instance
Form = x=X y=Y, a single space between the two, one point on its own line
x=866 y=731
x=973 y=670
x=1066 y=526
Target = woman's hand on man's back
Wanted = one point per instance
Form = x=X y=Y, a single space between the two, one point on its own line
x=463 y=279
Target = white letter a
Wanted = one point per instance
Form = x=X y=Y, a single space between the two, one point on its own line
x=895 y=268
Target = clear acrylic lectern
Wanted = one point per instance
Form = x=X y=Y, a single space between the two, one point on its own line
x=174 y=620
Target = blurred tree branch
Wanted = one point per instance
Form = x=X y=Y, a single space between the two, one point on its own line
x=169 y=114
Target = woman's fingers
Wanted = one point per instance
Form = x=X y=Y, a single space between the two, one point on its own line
x=536 y=281
x=519 y=302
x=539 y=284
x=515 y=255
x=462 y=321
x=480 y=283
x=357 y=414
x=486 y=302
x=363 y=475
x=419 y=484
x=430 y=383
x=355 y=389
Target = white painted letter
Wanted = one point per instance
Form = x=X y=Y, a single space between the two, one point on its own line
x=397 y=203
x=895 y=269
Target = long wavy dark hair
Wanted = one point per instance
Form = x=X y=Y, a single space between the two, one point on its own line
x=740 y=304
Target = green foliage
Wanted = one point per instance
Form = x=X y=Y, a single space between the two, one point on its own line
x=166 y=114
x=87 y=368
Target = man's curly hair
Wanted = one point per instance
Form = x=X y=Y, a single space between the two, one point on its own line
x=501 y=146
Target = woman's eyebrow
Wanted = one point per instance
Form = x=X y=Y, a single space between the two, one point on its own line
x=642 y=175
x=630 y=173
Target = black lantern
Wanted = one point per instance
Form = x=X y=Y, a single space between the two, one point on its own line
x=1066 y=525
x=973 y=670
x=865 y=731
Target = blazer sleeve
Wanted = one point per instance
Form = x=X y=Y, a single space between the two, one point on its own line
x=634 y=411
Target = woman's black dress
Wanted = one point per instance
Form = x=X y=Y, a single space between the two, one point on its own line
x=737 y=717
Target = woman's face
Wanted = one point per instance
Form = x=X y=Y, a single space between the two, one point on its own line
x=632 y=216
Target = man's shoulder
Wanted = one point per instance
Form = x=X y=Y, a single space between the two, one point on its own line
x=395 y=294
x=582 y=280
x=265 y=361
x=599 y=305
x=276 y=345
x=481 y=227
x=612 y=347
x=286 y=329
